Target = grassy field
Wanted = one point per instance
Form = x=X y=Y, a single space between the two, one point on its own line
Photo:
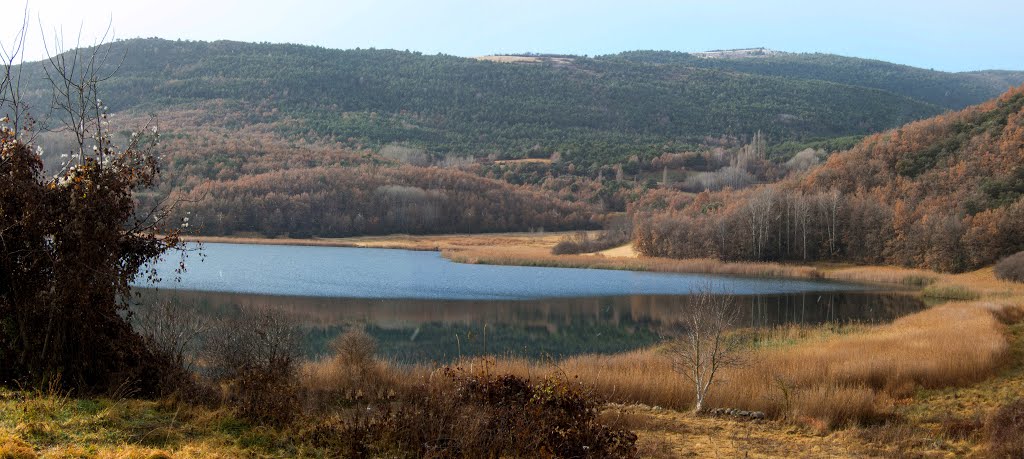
x=925 y=385
x=921 y=386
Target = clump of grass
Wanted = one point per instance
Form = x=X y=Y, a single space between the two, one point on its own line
x=12 y=447
x=830 y=405
x=883 y=275
x=960 y=428
x=949 y=292
x=1006 y=430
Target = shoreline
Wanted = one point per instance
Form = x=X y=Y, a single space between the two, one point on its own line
x=824 y=389
x=534 y=249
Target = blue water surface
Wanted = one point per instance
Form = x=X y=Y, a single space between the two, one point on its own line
x=344 y=272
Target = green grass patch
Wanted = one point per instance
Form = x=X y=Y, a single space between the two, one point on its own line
x=949 y=292
x=918 y=280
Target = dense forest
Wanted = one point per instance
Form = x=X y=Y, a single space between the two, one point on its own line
x=945 y=89
x=333 y=202
x=305 y=141
x=252 y=181
x=945 y=193
x=592 y=111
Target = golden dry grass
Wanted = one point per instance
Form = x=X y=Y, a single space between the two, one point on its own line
x=672 y=434
x=12 y=447
x=50 y=425
x=410 y=242
x=625 y=251
x=812 y=379
x=958 y=359
x=534 y=257
x=826 y=379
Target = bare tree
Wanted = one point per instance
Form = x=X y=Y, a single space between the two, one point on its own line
x=703 y=350
x=802 y=218
x=75 y=76
x=829 y=205
x=173 y=329
x=761 y=213
x=12 y=106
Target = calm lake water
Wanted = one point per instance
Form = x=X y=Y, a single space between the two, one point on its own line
x=422 y=307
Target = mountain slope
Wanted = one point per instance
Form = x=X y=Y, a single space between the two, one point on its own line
x=945 y=89
x=592 y=110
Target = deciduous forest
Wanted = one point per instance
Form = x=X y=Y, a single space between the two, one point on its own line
x=943 y=193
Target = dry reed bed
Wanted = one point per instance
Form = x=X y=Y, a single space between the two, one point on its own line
x=827 y=381
x=537 y=256
x=520 y=257
x=824 y=381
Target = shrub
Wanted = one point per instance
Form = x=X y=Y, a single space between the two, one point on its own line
x=617 y=234
x=1011 y=268
x=171 y=328
x=351 y=375
x=255 y=360
x=1006 y=430
x=355 y=348
x=479 y=415
x=74 y=242
x=72 y=247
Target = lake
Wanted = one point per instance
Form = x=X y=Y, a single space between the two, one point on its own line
x=422 y=307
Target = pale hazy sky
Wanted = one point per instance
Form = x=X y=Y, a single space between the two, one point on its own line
x=940 y=34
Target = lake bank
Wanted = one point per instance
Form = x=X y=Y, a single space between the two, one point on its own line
x=899 y=389
x=534 y=249
x=919 y=401
x=415 y=331
x=424 y=307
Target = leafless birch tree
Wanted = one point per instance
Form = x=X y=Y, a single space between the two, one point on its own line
x=703 y=350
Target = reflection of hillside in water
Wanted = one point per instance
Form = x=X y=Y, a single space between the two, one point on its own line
x=441 y=330
x=555 y=313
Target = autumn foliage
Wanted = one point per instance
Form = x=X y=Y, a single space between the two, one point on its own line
x=945 y=193
x=368 y=199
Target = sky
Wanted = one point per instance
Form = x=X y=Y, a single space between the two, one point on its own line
x=939 y=34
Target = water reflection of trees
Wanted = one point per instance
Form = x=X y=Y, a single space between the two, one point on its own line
x=555 y=313
x=417 y=330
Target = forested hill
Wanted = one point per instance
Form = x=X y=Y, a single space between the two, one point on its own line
x=945 y=89
x=591 y=110
x=945 y=193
